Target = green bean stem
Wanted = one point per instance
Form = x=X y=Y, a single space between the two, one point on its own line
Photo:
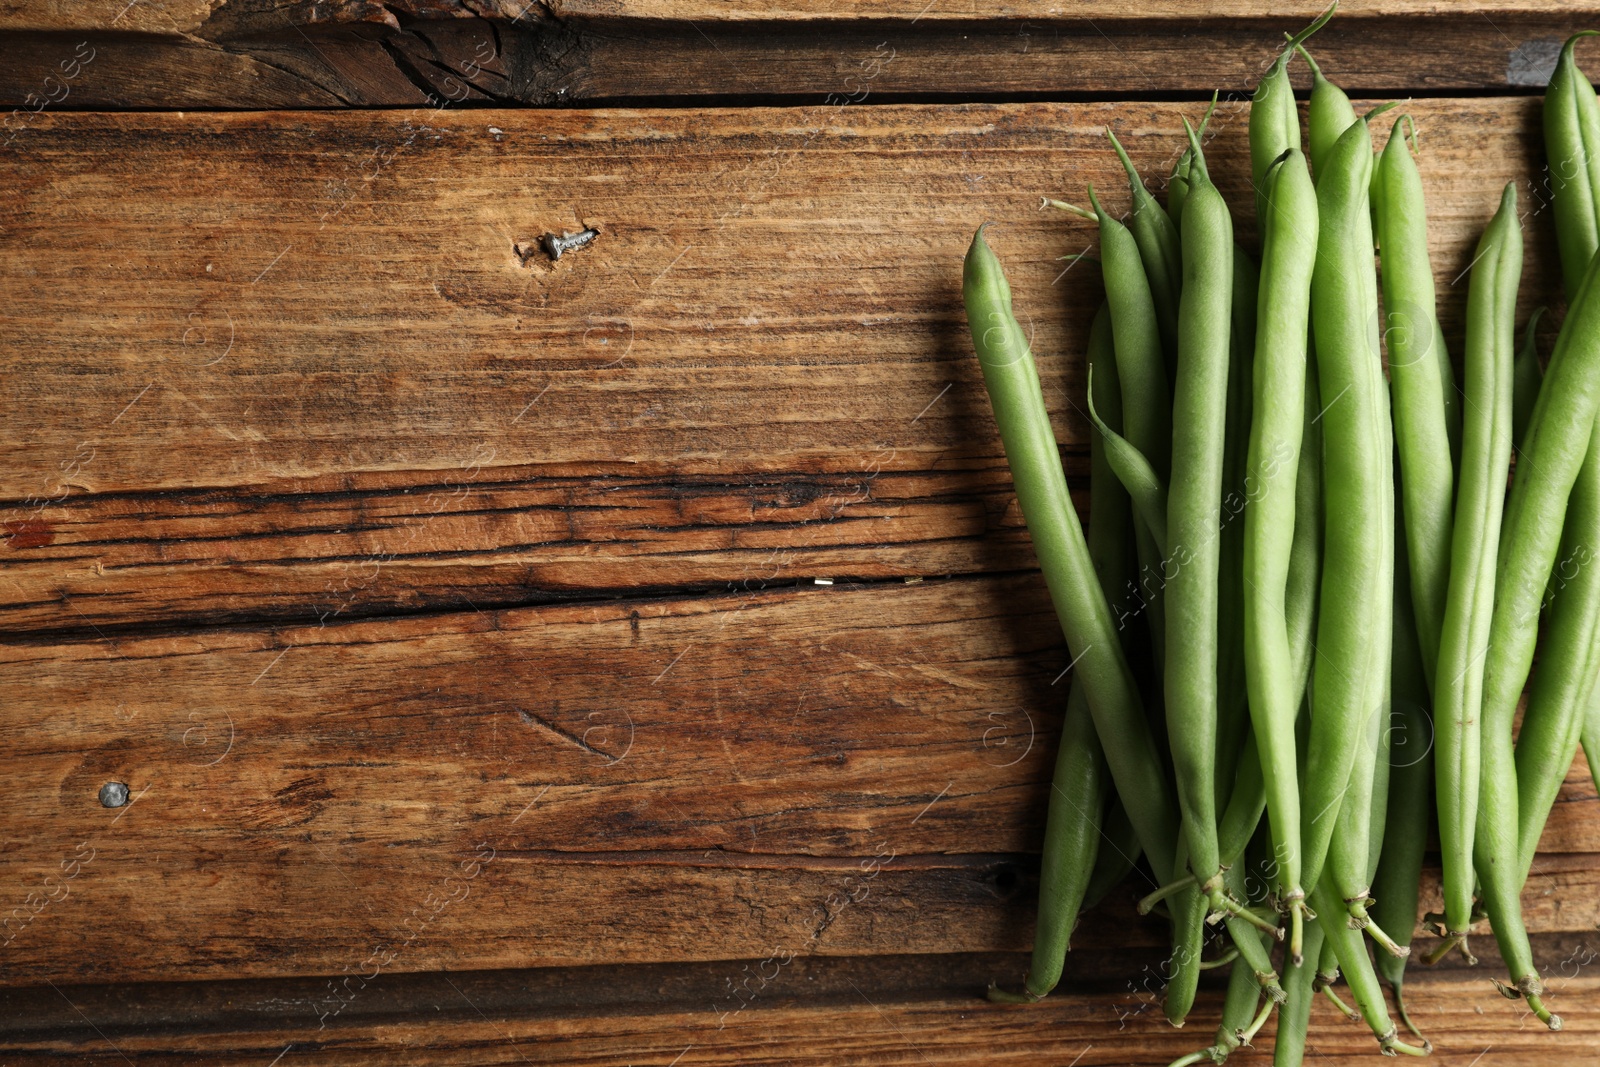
x=1397 y=884
x=1485 y=456
x=1351 y=951
x=1085 y=616
x=1352 y=641
x=1194 y=504
x=1420 y=392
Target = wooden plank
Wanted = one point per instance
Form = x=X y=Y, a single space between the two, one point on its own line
x=203 y=429
x=683 y=779
x=894 y=1010
x=331 y=59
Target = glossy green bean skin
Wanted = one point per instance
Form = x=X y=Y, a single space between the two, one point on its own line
x=1294 y=1017
x=1397 y=885
x=1569 y=660
x=1146 y=405
x=1157 y=237
x=1080 y=783
x=1273 y=463
x=1485 y=457
x=1419 y=391
x=1194 y=505
x=1572 y=149
x=1085 y=616
x=1352 y=640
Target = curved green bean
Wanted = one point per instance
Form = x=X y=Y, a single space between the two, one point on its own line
x=1420 y=392
x=1572 y=149
x=1289 y=255
x=1352 y=640
x=1351 y=952
x=1194 y=504
x=1485 y=456
x=1085 y=616
x=1157 y=237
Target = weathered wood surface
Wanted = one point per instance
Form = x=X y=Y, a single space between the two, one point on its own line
x=895 y=1009
x=377 y=403
x=295 y=367
x=305 y=55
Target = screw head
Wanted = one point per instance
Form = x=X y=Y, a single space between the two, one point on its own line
x=113 y=795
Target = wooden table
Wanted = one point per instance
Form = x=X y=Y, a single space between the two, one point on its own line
x=633 y=658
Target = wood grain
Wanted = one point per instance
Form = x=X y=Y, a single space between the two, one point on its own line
x=302 y=55
x=894 y=1009
x=215 y=418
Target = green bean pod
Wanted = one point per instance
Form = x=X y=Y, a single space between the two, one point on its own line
x=1081 y=607
x=1294 y=1017
x=1569 y=660
x=1572 y=150
x=1118 y=853
x=1352 y=641
x=1147 y=419
x=1526 y=377
x=1397 y=884
x=1421 y=395
x=1328 y=117
x=1194 y=504
x=1273 y=462
x=1188 y=909
x=1153 y=231
x=1080 y=783
x=1485 y=456
x=1275 y=117
x=1552 y=453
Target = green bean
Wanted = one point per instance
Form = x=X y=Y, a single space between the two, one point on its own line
x=1485 y=455
x=1250 y=977
x=1275 y=117
x=1153 y=231
x=1178 y=184
x=1525 y=379
x=1569 y=659
x=1289 y=253
x=1136 y=475
x=1420 y=392
x=1079 y=785
x=1303 y=586
x=1085 y=616
x=1188 y=910
x=1572 y=148
x=1351 y=951
x=1329 y=115
x=1327 y=975
x=1552 y=453
x=1405 y=835
x=1233 y=715
x=1142 y=371
x=1119 y=851
x=1352 y=640
x=1194 y=500
x=1294 y=1017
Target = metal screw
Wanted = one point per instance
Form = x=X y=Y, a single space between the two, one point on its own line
x=113 y=795
x=567 y=242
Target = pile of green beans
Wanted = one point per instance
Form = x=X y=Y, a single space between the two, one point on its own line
x=1300 y=525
